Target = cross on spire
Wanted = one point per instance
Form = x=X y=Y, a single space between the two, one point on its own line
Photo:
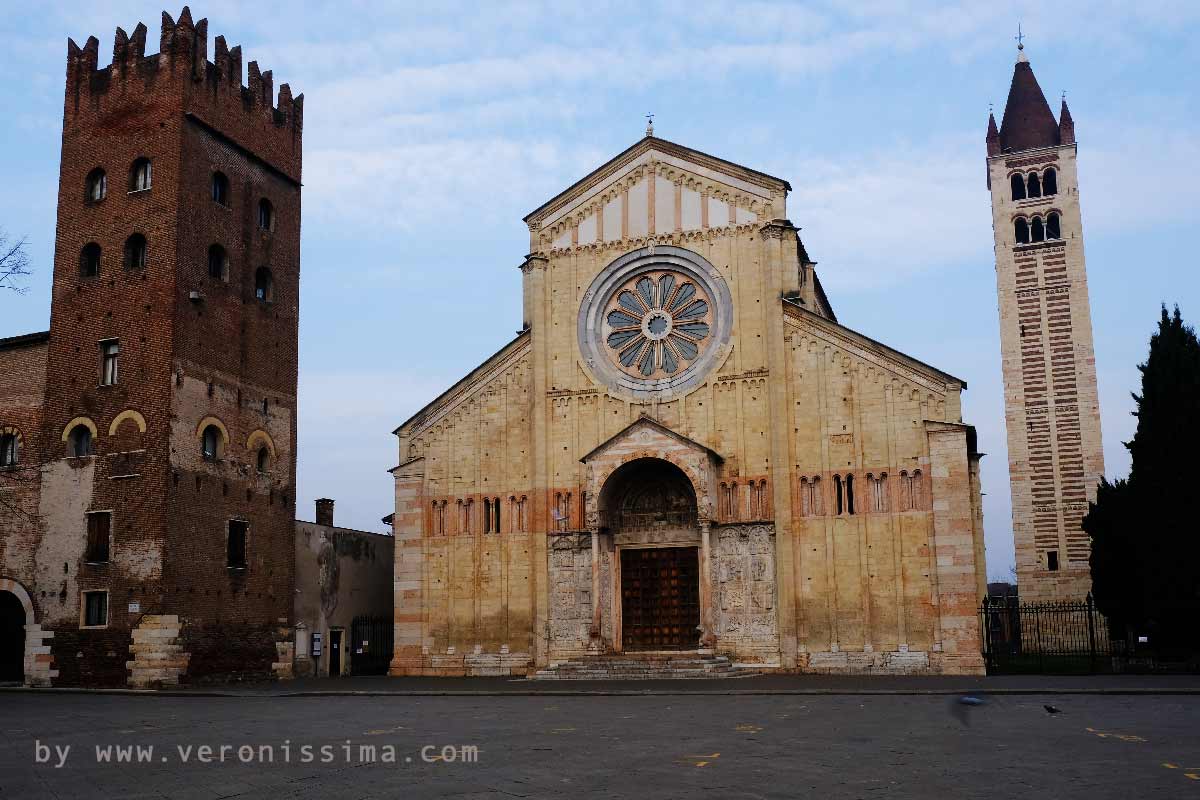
x=650 y=124
x=1020 y=37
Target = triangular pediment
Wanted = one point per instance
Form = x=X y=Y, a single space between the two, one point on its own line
x=645 y=433
x=657 y=186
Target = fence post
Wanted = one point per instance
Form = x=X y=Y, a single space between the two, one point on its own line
x=1091 y=632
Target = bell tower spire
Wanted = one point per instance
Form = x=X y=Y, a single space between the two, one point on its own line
x=1052 y=410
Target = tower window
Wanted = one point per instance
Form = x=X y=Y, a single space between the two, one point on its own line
x=210 y=443
x=263 y=285
x=220 y=188
x=849 y=494
x=110 y=352
x=264 y=459
x=140 y=175
x=1037 y=231
x=79 y=441
x=1050 y=182
x=1053 y=229
x=1035 y=185
x=10 y=450
x=1052 y=560
x=235 y=549
x=89 y=261
x=135 y=252
x=99 y=536
x=1021 y=231
x=266 y=215
x=95 y=609
x=218 y=263
x=97 y=186
x=1018 y=187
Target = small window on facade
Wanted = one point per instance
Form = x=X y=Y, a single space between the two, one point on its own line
x=135 y=252
x=1021 y=230
x=1053 y=229
x=235 y=550
x=906 y=496
x=218 y=263
x=879 y=492
x=263 y=459
x=79 y=441
x=99 y=535
x=89 y=261
x=1052 y=560
x=468 y=511
x=10 y=450
x=1037 y=232
x=264 y=289
x=110 y=352
x=487 y=515
x=139 y=176
x=266 y=215
x=838 y=491
x=97 y=186
x=220 y=188
x=210 y=443
x=849 y=494
x=496 y=515
x=95 y=609
x=1049 y=182
x=1035 y=185
x=1018 y=187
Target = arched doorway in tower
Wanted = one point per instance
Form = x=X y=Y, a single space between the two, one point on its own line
x=649 y=507
x=12 y=638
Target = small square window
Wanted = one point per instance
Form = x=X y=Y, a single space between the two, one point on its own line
x=1052 y=560
x=235 y=551
x=99 y=537
x=95 y=609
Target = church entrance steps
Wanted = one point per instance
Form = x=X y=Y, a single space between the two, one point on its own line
x=644 y=666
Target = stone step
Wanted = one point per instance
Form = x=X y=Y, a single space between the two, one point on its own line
x=647 y=666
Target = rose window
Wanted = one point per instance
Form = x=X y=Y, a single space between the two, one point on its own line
x=657 y=324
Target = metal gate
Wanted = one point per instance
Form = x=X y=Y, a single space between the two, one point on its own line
x=370 y=645
x=660 y=598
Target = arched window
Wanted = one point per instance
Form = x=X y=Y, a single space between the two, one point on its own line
x=1049 y=182
x=135 y=252
x=849 y=494
x=1035 y=185
x=1037 y=231
x=918 y=490
x=839 y=494
x=89 y=261
x=10 y=450
x=879 y=492
x=495 y=515
x=1053 y=229
x=263 y=285
x=487 y=515
x=1021 y=229
x=1018 y=186
x=210 y=443
x=79 y=441
x=140 y=175
x=220 y=188
x=97 y=186
x=266 y=215
x=906 y=496
x=263 y=459
x=218 y=263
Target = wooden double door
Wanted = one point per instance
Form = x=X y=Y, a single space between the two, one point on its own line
x=660 y=598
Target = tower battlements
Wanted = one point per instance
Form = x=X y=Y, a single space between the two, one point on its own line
x=252 y=115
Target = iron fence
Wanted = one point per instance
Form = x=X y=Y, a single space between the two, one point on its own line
x=370 y=645
x=1066 y=637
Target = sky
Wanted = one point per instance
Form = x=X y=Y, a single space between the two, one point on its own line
x=431 y=129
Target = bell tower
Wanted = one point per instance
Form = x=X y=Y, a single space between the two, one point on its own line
x=1052 y=411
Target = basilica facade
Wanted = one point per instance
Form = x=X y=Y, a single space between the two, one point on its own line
x=683 y=450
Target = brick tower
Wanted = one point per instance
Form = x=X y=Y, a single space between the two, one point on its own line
x=1051 y=404
x=168 y=428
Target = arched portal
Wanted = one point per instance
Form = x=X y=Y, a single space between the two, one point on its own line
x=649 y=507
x=12 y=638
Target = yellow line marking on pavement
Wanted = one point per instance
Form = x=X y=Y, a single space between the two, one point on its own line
x=747 y=728
x=1194 y=776
x=561 y=730
x=1124 y=737
x=1169 y=765
x=704 y=762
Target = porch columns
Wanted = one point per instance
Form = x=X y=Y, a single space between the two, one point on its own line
x=594 y=632
x=707 y=636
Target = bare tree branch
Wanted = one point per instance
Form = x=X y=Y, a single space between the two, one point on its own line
x=14 y=264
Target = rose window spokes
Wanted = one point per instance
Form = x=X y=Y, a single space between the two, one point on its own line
x=657 y=324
